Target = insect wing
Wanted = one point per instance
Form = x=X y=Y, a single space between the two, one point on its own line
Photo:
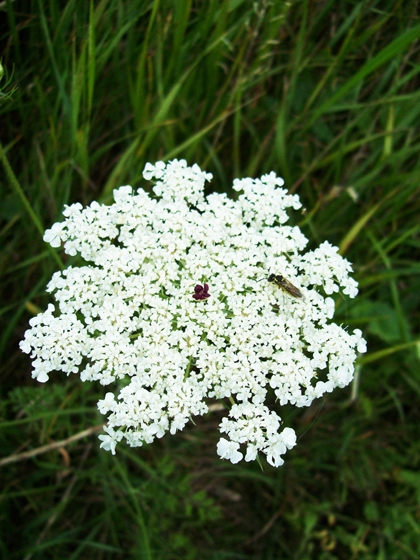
x=285 y=285
x=290 y=288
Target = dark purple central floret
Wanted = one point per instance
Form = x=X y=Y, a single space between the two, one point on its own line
x=200 y=292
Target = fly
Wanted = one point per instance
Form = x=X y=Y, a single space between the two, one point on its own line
x=285 y=285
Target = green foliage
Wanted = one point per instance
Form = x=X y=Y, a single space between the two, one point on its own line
x=327 y=95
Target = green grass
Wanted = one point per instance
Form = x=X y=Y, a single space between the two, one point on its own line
x=327 y=95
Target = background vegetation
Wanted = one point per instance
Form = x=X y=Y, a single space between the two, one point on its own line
x=326 y=94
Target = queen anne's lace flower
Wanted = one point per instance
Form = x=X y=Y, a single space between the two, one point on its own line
x=170 y=310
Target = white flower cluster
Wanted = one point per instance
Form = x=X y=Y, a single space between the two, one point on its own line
x=170 y=308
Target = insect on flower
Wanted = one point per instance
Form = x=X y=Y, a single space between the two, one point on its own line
x=285 y=285
x=236 y=344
